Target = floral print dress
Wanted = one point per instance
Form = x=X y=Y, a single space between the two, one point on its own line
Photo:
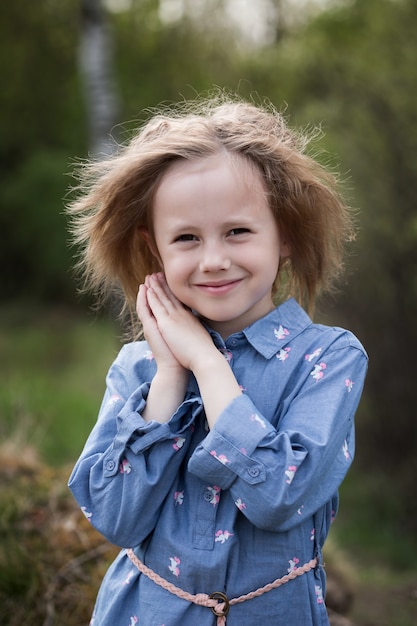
x=236 y=507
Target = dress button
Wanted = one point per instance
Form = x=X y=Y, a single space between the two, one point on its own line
x=253 y=471
x=233 y=342
x=208 y=496
x=110 y=465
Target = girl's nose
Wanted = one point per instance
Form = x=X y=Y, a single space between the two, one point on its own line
x=214 y=259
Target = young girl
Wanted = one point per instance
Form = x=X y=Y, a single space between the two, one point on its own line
x=223 y=438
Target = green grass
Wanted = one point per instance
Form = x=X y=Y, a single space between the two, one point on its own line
x=53 y=368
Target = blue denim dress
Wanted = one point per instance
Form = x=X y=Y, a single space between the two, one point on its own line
x=233 y=508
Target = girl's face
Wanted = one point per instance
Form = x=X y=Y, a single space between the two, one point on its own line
x=217 y=240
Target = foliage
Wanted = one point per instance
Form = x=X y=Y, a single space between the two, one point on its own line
x=39 y=96
x=41 y=107
x=36 y=252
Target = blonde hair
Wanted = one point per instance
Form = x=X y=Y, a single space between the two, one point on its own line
x=115 y=196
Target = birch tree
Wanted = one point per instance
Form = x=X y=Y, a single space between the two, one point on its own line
x=96 y=65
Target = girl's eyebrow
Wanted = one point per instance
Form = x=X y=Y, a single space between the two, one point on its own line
x=174 y=228
x=231 y=222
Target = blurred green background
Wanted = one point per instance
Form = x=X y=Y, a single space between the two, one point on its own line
x=75 y=72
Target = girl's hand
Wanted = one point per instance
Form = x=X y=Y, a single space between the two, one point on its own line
x=181 y=335
x=168 y=387
x=181 y=331
x=161 y=352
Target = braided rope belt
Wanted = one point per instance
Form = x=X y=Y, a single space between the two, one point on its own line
x=218 y=602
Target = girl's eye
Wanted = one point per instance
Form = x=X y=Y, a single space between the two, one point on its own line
x=238 y=231
x=186 y=237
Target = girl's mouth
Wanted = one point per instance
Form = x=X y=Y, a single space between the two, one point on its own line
x=219 y=288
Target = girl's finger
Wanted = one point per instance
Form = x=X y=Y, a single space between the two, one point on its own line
x=160 y=280
x=142 y=305
x=162 y=292
x=163 y=282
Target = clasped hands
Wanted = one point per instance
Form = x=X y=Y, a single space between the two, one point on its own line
x=175 y=335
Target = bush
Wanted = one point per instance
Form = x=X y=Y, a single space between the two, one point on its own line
x=51 y=559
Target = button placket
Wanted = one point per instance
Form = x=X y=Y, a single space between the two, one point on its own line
x=203 y=532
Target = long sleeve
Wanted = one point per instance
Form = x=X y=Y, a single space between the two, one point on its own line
x=128 y=465
x=280 y=474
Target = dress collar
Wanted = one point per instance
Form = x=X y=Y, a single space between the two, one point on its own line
x=272 y=332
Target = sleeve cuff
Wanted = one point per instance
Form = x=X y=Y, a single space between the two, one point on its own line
x=225 y=454
x=137 y=434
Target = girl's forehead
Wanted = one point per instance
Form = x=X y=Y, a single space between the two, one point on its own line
x=219 y=164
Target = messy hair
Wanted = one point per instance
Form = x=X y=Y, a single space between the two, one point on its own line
x=114 y=197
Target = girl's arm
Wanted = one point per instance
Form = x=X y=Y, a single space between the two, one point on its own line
x=128 y=464
x=280 y=475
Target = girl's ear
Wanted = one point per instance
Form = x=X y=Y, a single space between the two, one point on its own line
x=146 y=235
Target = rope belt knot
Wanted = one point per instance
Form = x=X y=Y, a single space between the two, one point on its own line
x=222 y=608
x=218 y=602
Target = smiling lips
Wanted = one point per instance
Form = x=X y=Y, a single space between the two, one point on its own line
x=219 y=288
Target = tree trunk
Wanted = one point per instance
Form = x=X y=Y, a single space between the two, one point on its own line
x=97 y=72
